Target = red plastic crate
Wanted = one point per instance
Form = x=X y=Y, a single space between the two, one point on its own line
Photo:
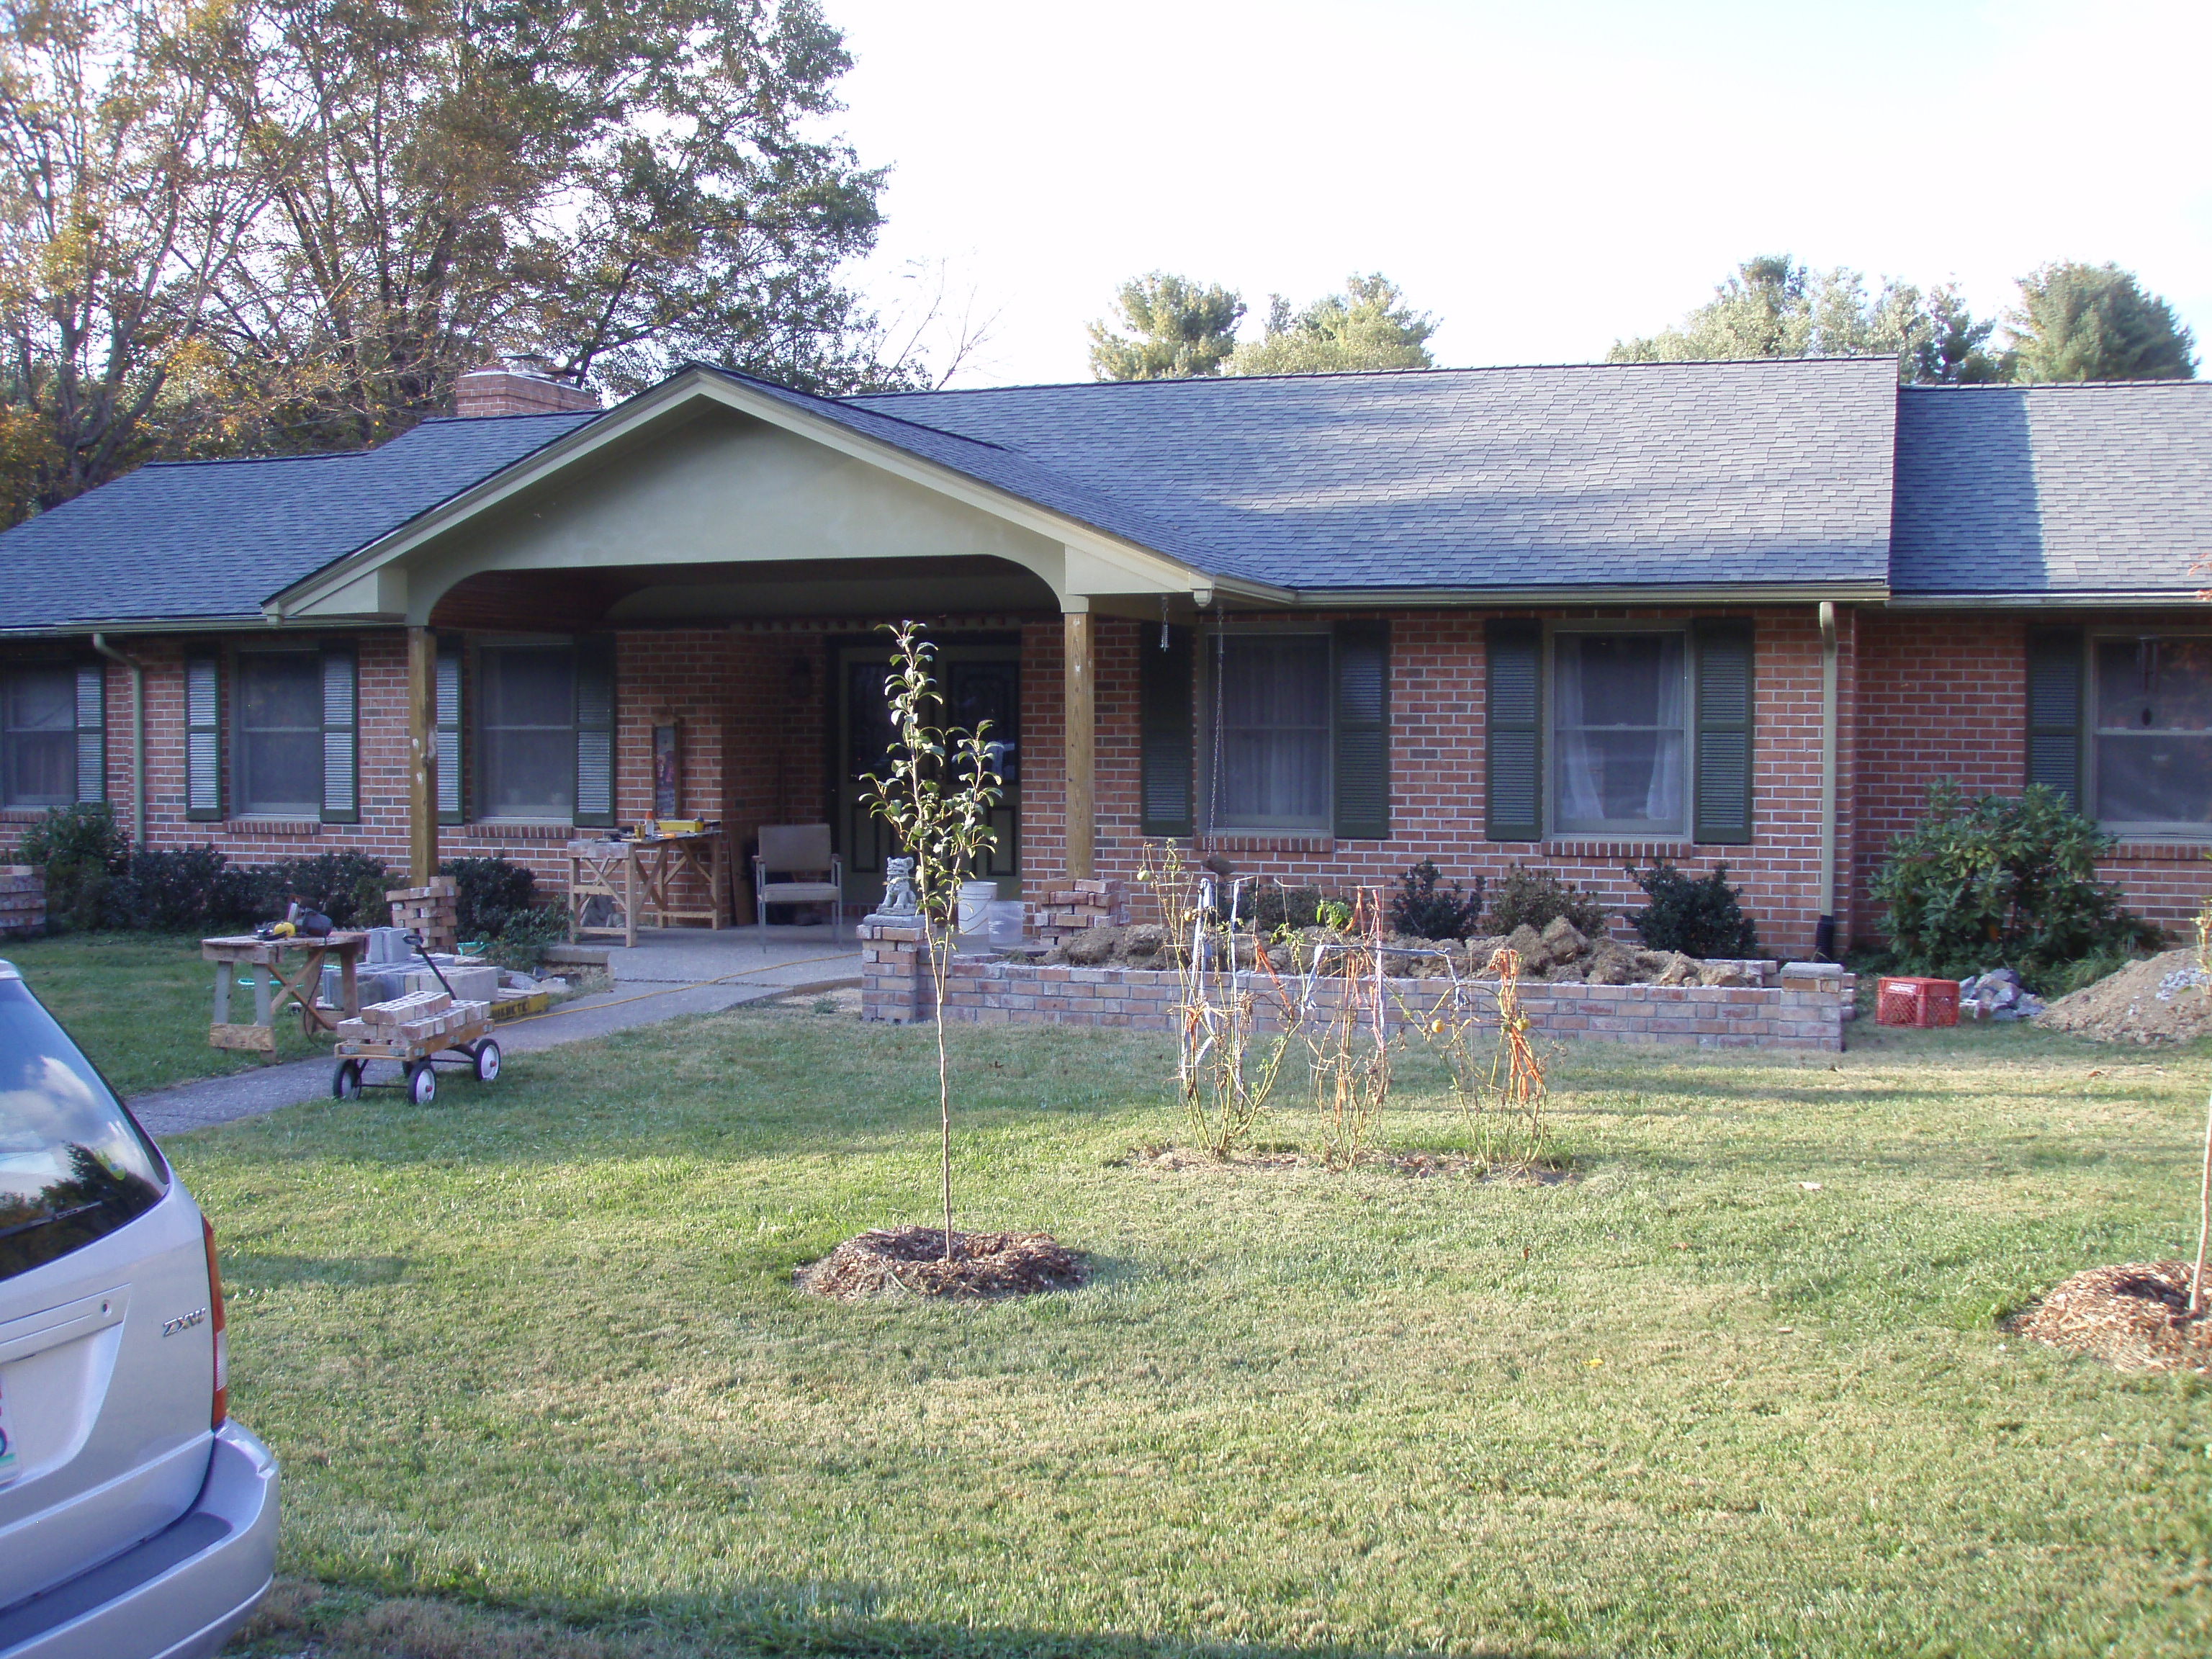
x=1905 y=1000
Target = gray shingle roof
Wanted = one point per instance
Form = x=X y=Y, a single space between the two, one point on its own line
x=210 y=540
x=1626 y=475
x=2053 y=489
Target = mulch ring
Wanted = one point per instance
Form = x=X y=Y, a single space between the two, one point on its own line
x=2134 y=1317
x=1407 y=1163
x=895 y=1261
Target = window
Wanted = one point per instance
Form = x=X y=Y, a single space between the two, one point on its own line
x=1620 y=718
x=1625 y=732
x=38 y=736
x=526 y=731
x=1295 y=728
x=279 y=757
x=74 y=1167
x=2152 y=760
x=1273 y=750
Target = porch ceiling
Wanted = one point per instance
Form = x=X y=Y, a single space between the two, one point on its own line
x=567 y=601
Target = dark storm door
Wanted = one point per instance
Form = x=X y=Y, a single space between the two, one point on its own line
x=981 y=683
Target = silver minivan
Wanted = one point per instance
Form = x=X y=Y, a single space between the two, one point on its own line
x=136 y=1519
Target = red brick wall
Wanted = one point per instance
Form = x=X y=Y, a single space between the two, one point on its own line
x=1436 y=693
x=1922 y=696
x=1947 y=697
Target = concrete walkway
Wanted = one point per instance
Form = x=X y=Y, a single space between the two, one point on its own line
x=672 y=971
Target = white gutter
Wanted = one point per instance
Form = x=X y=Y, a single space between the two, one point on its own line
x=138 y=737
x=1408 y=597
x=1825 y=934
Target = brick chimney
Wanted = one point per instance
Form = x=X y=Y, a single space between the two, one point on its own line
x=519 y=386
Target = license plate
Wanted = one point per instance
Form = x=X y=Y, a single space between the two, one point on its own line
x=8 y=1465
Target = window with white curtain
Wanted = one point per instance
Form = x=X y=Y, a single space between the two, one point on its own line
x=526 y=732
x=2152 y=762
x=1619 y=722
x=1273 y=740
x=279 y=755
x=38 y=736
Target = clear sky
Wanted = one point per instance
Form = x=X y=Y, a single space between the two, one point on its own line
x=1544 y=177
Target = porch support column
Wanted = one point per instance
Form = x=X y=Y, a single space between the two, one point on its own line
x=422 y=756
x=1080 y=746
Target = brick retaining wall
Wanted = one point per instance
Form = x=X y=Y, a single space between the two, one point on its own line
x=1795 y=1013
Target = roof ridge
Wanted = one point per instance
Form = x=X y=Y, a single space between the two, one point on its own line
x=851 y=402
x=264 y=460
x=2053 y=385
x=1370 y=374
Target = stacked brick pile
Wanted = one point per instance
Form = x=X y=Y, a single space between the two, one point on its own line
x=421 y=1017
x=22 y=901
x=428 y=911
x=1103 y=903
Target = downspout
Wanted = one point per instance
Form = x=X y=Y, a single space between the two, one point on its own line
x=1824 y=934
x=137 y=738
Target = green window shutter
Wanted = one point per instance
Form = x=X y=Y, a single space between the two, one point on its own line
x=595 y=731
x=451 y=805
x=91 y=732
x=1363 y=730
x=1513 y=713
x=341 y=737
x=2054 y=711
x=1164 y=694
x=203 y=738
x=1722 y=812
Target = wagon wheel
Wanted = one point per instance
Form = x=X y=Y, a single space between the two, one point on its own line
x=487 y=1056
x=422 y=1083
x=345 y=1082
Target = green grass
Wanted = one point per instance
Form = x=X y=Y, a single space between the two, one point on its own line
x=541 y=1384
x=139 y=1004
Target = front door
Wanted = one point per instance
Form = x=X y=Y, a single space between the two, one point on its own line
x=980 y=682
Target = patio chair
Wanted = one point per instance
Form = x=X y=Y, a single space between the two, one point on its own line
x=798 y=849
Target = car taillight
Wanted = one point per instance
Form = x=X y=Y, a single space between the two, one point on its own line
x=220 y=1409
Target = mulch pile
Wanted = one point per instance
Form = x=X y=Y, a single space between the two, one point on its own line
x=2163 y=999
x=893 y=1262
x=2134 y=1317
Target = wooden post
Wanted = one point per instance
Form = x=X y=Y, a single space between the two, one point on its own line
x=1081 y=744
x=422 y=756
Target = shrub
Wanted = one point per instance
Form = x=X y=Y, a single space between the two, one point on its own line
x=521 y=942
x=169 y=890
x=493 y=893
x=1698 y=918
x=347 y=887
x=2001 y=881
x=1420 y=910
x=1268 y=905
x=1538 y=897
x=81 y=851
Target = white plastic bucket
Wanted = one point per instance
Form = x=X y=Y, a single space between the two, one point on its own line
x=977 y=898
x=1005 y=923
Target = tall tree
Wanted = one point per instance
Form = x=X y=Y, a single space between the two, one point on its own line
x=120 y=193
x=1367 y=326
x=1774 y=307
x=1168 y=328
x=2077 y=322
x=614 y=189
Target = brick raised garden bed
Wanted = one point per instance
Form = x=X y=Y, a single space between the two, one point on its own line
x=1799 y=1009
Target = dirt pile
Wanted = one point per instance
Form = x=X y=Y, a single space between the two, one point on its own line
x=2134 y=1317
x=894 y=1261
x=1559 y=954
x=2166 y=999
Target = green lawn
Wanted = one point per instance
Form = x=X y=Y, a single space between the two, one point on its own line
x=541 y=1384
x=138 y=1003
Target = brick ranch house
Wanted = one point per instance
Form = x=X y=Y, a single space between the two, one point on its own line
x=1326 y=626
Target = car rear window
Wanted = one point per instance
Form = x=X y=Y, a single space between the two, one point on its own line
x=73 y=1166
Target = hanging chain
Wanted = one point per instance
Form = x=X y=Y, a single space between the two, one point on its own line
x=1213 y=772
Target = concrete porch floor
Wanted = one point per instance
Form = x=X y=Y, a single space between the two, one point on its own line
x=739 y=955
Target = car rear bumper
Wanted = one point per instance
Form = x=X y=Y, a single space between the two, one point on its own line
x=179 y=1594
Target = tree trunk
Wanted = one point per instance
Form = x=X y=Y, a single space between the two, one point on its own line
x=2203 y=1221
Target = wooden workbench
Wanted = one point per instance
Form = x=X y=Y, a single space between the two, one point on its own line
x=265 y=960
x=636 y=876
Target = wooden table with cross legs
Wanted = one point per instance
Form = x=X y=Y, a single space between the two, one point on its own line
x=634 y=876
x=280 y=969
